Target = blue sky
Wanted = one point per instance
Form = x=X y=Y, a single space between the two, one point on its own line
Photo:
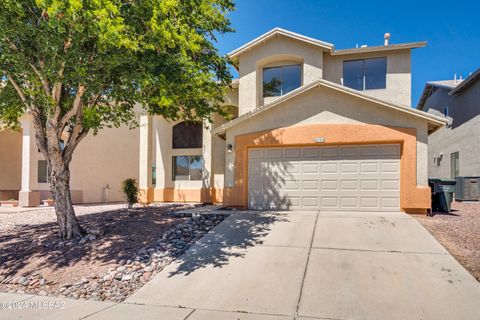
x=451 y=28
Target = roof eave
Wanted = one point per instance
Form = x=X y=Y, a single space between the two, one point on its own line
x=279 y=31
x=393 y=47
x=465 y=83
x=433 y=120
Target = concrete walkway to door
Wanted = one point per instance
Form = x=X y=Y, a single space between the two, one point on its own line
x=327 y=265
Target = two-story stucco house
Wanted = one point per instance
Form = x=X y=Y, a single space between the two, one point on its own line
x=316 y=129
x=453 y=150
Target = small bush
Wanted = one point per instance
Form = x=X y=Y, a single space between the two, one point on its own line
x=130 y=190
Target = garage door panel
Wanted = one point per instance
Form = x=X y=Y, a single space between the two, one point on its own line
x=348 y=185
x=329 y=168
x=390 y=166
x=349 y=202
x=329 y=185
x=392 y=202
x=256 y=154
x=369 y=185
x=292 y=185
x=310 y=167
x=369 y=167
x=274 y=154
x=329 y=202
x=369 y=202
x=310 y=153
x=348 y=167
x=390 y=185
x=390 y=150
x=292 y=153
x=310 y=185
x=328 y=152
x=325 y=178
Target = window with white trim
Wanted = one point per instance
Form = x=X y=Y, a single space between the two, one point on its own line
x=187 y=168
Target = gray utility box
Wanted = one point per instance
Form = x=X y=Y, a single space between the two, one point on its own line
x=468 y=189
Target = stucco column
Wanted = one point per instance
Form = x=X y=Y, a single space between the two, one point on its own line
x=145 y=161
x=27 y=197
x=207 y=179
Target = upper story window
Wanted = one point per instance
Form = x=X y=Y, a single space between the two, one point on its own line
x=278 y=81
x=187 y=135
x=365 y=74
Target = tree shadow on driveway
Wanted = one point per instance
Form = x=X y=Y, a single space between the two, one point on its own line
x=230 y=239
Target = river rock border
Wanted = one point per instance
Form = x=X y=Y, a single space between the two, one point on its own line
x=129 y=275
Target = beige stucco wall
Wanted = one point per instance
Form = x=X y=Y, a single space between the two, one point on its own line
x=463 y=139
x=162 y=139
x=10 y=160
x=107 y=158
x=279 y=49
x=398 y=73
x=324 y=105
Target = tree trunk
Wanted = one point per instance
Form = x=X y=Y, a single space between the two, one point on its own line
x=60 y=187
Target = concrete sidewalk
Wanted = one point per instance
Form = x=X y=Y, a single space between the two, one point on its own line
x=296 y=265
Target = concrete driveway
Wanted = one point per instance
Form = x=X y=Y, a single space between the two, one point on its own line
x=297 y=265
x=319 y=265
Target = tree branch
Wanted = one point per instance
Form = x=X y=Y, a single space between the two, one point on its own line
x=77 y=104
x=19 y=91
x=40 y=134
x=44 y=81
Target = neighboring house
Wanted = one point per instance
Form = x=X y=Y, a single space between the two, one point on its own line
x=316 y=129
x=453 y=150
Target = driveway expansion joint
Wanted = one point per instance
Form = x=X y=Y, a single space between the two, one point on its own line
x=306 y=267
x=382 y=251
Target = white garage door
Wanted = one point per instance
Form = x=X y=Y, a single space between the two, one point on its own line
x=365 y=178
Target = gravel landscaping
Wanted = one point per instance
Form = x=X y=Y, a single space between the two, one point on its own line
x=121 y=252
x=459 y=233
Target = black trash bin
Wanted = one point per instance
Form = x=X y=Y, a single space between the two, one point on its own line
x=442 y=194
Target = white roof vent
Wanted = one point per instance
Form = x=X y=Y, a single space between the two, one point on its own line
x=386 y=38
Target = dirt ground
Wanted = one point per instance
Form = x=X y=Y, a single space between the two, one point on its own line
x=459 y=233
x=29 y=241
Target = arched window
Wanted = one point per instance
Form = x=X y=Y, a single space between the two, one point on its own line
x=187 y=135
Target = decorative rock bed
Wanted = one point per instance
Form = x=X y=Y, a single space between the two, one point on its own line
x=129 y=274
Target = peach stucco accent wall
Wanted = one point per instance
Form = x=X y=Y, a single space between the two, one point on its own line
x=201 y=195
x=413 y=198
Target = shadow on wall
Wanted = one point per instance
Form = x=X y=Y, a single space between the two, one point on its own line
x=268 y=175
x=228 y=240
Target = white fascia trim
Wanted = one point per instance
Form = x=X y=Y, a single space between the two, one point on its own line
x=280 y=31
x=435 y=120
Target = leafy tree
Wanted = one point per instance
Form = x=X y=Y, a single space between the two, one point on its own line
x=77 y=66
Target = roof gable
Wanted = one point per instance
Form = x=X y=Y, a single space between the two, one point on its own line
x=276 y=32
x=435 y=122
x=466 y=83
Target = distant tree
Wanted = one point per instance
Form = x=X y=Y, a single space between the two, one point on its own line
x=77 y=66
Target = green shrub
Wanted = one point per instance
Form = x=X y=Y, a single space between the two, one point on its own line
x=130 y=190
